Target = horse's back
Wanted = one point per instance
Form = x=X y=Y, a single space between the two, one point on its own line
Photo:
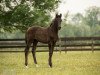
x=31 y=29
x=39 y=33
x=37 y=29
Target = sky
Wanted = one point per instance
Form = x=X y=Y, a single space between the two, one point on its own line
x=76 y=6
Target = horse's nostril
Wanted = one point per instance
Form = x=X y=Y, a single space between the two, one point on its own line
x=59 y=28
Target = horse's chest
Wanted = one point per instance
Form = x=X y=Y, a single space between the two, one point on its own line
x=54 y=38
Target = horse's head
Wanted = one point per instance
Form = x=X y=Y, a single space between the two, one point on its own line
x=58 y=20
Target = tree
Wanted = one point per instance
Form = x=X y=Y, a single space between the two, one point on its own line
x=92 y=16
x=20 y=14
x=77 y=19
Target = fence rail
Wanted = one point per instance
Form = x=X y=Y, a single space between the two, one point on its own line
x=64 y=44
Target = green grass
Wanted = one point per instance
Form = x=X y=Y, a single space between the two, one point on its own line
x=71 y=63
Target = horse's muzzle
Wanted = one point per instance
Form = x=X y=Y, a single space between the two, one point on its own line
x=59 y=28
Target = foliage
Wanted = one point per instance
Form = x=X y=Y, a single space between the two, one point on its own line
x=95 y=30
x=77 y=19
x=93 y=16
x=81 y=25
x=76 y=25
x=75 y=31
x=20 y=14
x=17 y=34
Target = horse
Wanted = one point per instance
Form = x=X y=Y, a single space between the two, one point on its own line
x=48 y=35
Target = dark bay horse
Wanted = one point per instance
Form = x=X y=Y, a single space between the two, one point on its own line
x=47 y=35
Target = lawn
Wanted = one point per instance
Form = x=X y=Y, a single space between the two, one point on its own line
x=71 y=63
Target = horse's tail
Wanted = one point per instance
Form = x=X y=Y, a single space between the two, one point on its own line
x=26 y=36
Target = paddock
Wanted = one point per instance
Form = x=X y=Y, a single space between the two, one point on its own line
x=70 y=63
x=72 y=56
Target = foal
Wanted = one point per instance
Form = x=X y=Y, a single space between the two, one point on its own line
x=47 y=35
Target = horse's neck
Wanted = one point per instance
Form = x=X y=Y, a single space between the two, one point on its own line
x=54 y=29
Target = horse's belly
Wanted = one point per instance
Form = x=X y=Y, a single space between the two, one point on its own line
x=43 y=40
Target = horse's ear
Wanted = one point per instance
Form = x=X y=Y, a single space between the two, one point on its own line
x=60 y=15
x=56 y=15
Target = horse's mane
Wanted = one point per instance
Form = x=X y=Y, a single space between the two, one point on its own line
x=52 y=22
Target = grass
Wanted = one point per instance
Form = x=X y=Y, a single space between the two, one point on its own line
x=71 y=63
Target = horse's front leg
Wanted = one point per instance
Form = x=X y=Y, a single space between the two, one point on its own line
x=51 y=48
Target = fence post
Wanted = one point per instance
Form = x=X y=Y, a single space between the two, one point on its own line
x=92 y=47
x=65 y=45
x=60 y=46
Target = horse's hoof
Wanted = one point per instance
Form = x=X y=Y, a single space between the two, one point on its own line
x=50 y=66
x=37 y=65
x=26 y=66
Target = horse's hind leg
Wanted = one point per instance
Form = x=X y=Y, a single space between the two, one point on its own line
x=26 y=53
x=34 y=51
